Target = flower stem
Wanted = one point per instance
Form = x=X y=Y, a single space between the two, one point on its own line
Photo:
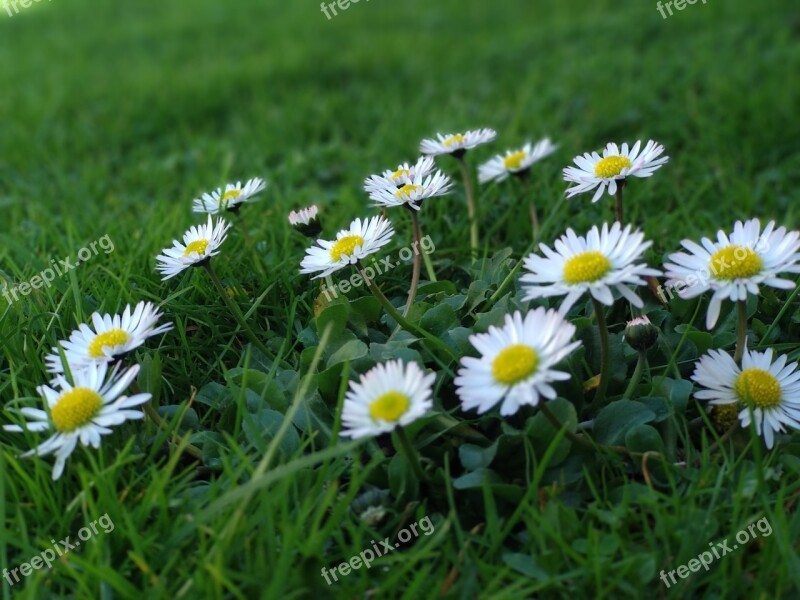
x=620 y=185
x=533 y=213
x=637 y=375
x=412 y=290
x=236 y=312
x=471 y=212
x=741 y=336
x=411 y=454
x=605 y=362
x=152 y=414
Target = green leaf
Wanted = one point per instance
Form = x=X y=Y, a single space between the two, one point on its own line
x=260 y=429
x=439 y=320
x=614 y=421
x=644 y=438
x=336 y=314
x=476 y=457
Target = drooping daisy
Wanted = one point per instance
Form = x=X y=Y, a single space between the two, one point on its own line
x=306 y=221
x=515 y=162
x=231 y=199
x=412 y=194
x=517 y=361
x=734 y=266
x=390 y=395
x=351 y=245
x=601 y=261
x=108 y=338
x=81 y=412
x=200 y=243
x=771 y=390
x=593 y=171
x=456 y=144
x=404 y=174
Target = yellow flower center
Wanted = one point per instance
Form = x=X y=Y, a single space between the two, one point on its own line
x=733 y=261
x=611 y=166
x=759 y=387
x=514 y=161
x=229 y=195
x=407 y=190
x=345 y=246
x=198 y=246
x=515 y=363
x=389 y=407
x=113 y=337
x=454 y=139
x=586 y=267
x=401 y=173
x=75 y=409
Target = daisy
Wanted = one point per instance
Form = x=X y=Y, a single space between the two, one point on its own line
x=517 y=362
x=404 y=174
x=81 y=412
x=515 y=162
x=616 y=164
x=390 y=395
x=412 y=193
x=456 y=144
x=231 y=199
x=362 y=239
x=734 y=266
x=200 y=243
x=305 y=221
x=108 y=338
x=769 y=391
x=602 y=261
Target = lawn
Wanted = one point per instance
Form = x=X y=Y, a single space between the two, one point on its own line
x=238 y=484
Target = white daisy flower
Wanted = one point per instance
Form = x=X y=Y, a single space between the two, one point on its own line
x=108 y=338
x=351 y=245
x=389 y=395
x=231 y=199
x=456 y=144
x=81 y=412
x=616 y=164
x=200 y=243
x=602 y=261
x=412 y=194
x=771 y=390
x=515 y=162
x=734 y=266
x=517 y=362
x=404 y=174
x=305 y=221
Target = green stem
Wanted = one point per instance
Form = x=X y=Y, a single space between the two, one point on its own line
x=533 y=213
x=411 y=454
x=620 y=185
x=605 y=362
x=471 y=211
x=236 y=312
x=637 y=375
x=741 y=336
x=412 y=290
x=153 y=415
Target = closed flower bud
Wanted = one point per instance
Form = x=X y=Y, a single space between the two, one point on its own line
x=641 y=334
x=306 y=221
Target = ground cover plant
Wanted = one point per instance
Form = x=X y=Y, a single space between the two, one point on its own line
x=459 y=300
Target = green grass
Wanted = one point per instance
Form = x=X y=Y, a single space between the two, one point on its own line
x=116 y=115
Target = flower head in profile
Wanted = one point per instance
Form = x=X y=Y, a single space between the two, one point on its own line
x=767 y=391
x=604 y=260
x=351 y=245
x=231 y=199
x=515 y=162
x=456 y=144
x=595 y=172
x=517 y=362
x=200 y=243
x=734 y=265
x=83 y=412
x=390 y=395
x=305 y=221
x=107 y=338
x=402 y=175
x=412 y=193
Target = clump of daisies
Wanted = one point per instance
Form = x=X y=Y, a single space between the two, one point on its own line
x=231 y=198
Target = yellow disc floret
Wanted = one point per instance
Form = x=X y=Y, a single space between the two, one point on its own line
x=401 y=173
x=454 y=139
x=229 y=195
x=586 y=267
x=407 y=190
x=733 y=262
x=514 y=160
x=198 y=246
x=514 y=364
x=759 y=387
x=75 y=409
x=611 y=166
x=389 y=407
x=346 y=246
x=112 y=337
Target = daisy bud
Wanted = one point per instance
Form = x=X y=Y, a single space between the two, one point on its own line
x=641 y=334
x=305 y=221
